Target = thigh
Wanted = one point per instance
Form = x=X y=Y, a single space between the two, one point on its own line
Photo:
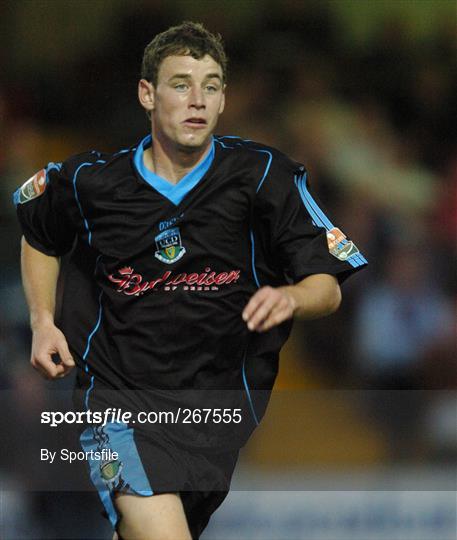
x=156 y=517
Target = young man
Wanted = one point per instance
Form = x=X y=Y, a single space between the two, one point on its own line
x=191 y=254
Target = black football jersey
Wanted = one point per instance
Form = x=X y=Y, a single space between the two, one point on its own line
x=159 y=274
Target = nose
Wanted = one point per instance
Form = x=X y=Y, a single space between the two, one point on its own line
x=197 y=98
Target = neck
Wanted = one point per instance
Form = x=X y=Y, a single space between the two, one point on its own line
x=171 y=162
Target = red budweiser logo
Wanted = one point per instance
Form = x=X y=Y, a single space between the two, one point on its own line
x=130 y=283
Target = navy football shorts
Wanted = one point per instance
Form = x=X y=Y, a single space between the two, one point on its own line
x=148 y=464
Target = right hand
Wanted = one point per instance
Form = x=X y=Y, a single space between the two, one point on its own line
x=47 y=341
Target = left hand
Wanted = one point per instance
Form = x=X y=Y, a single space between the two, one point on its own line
x=269 y=307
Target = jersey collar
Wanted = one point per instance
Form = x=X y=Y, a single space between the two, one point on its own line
x=173 y=192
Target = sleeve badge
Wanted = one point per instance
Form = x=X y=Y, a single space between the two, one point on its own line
x=339 y=246
x=33 y=188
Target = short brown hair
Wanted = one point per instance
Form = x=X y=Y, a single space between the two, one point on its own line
x=186 y=39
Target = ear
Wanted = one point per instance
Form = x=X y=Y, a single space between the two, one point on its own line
x=146 y=95
x=222 y=105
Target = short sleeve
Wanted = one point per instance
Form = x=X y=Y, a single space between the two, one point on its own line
x=42 y=205
x=298 y=233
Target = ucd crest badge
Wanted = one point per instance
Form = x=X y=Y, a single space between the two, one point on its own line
x=169 y=246
x=111 y=470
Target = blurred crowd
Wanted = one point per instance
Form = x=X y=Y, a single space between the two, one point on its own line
x=374 y=124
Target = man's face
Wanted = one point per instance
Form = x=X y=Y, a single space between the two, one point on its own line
x=187 y=101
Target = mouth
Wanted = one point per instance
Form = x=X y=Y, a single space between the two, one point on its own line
x=195 y=123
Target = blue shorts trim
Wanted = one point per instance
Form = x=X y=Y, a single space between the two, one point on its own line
x=125 y=474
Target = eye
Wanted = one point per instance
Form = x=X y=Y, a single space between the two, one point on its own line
x=211 y=89
x=181 y=87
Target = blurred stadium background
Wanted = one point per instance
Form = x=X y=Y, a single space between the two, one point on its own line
x=360 y=438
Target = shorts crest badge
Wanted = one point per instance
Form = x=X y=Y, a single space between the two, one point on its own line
x=110 y=470
x=339 y=246
x=169 y=246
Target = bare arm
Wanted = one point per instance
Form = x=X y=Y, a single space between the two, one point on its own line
x=39 y=277
x=315 y=296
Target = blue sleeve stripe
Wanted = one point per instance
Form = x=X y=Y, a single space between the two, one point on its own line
x=359 y=261
x=319 y=218
x=267 y=168
x=86 y=224
x=311 y=203
x=361 y=258
x=308 y=207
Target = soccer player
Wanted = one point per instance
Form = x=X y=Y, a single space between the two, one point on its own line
x=190 y=254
